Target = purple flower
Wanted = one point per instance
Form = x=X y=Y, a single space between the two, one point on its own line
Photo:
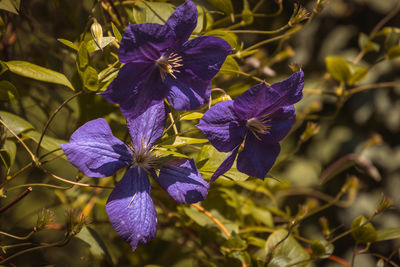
x=160 y=62
x=96 y=152
x=261 y=117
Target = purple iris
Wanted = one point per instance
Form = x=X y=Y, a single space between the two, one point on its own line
x=96 y=152
x=261 y=117
x=160 y=62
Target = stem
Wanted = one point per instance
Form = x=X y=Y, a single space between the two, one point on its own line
x=273 y=39
x=16 y=200
x=261 y=32
x=217 y=222
x=51 y=119
x=247 y=75
x=108 y=70
x=40 y=185
x=173 y=123
x=16 y=174
x=18 y=237
x=370 y=86
x=20 y=140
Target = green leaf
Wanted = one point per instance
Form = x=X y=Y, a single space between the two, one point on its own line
x=92 y=46
x=223 y=5
x=247 y=16
x=365 y=233
x=163 y=152
x=318 y=249
x=210 y=159
x=182 y=141
x=204 y=20
x=97 y=246
x=48 y=143
x=10 y=5
x=358 y=75
x=8 y=152
x=229 y=65
x=82 y=60
x=393 y=52
x=68 y=43
x=7 y=91
x=338 y=68
x=116 y=32
x=392 y=39
x=231 y=38
x=15 y=123
x=387 y=234
x=88 y=74
x=288 y=251
x=36 y=72
x=366 y=45
x=152 y=12
x=191 y=116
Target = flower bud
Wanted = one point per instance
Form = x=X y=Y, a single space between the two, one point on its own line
x=97 y=33
x=75 y=221
x=298 y=15
x=311 y=130
x=384 y=205
x=45 y=217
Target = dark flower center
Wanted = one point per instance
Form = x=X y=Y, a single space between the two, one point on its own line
x=143 y=157
x=259 y=126
x=169 y=65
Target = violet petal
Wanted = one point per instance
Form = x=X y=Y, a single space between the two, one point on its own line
x=222 y=127
x=131 y=209
x=95 y=151
x=226 y=164
x=257 y=158
x=183 y=21
x=182 y=181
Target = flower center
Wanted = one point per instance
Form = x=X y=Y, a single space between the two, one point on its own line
x=259 y=126
x=169 y=65
x=143 y=158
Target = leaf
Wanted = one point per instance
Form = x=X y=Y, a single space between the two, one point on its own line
x=247 y=16
x=48 y=143
x=87 y=73
x=204 y=20
x=392 y=39
x=229 y=65
x=68 y=43
x=10 y=5
x=231 y=38
x=7 y=91
x=387 y=234
x=358 y=75
x=365 y=233
x=162 y=152
x=288 y=251
x=92 y=46
x=338 y=68
x=15 y=123
x=97 y=246
x=393 y=52
x=182 y=141
x=191 y=116
x=152 y=12
x=8 y=152
x=223 y=5
x=36 y=72
x=116 y=32
x=366 y=45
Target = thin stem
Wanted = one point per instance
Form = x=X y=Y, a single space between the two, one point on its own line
x=39 y=185
x=261 y=32
x=215 y=220
x=51 y=119
x=106 y=72
x=247 y=75
x=18 y=237
x=370 y=86
x=20 y=140
x=23 y=169
x=173 y=123
x=287 y=34
x=16 y=200
x=385 y=259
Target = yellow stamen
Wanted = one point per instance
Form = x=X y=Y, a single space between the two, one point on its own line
x=169 y=65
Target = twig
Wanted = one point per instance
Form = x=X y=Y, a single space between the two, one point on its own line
x=217 y=222
x=16 y=200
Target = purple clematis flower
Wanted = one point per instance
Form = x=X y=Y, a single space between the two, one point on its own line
x=160 y=62
x=261 y=117
x=96 y=152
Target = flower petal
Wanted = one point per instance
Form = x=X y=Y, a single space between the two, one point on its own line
x=226 y=164
x=203 y=56
x=144 y=42
x=187 y=92
x=95 y=151
x=281 y=121
x=183 y=21
x=131 y=210
x=182 y=181
x=222 y=127
x=148 y=126
x=262 y=99
x=257 y=158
